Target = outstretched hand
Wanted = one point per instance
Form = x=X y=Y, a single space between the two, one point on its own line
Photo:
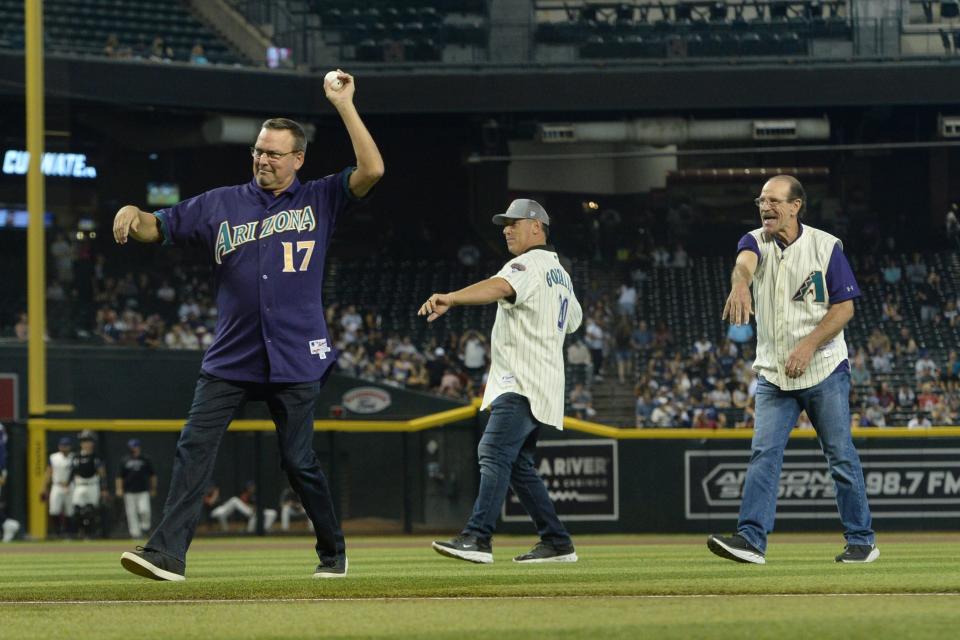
x=739 y=306
x=435 y=306
x=127 y=219
x=344 y=94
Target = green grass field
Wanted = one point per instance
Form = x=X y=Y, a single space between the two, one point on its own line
x=623 y=587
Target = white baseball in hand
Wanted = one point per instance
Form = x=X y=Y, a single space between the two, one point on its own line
x=333 y=80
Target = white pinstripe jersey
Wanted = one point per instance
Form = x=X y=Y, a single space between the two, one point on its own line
x=527 y=340
x=791 y=297
x=61 y=467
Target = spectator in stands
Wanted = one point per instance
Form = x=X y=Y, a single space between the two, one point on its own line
x=662 y=414
x=473 y=349
x=882 y=361
x=680 y=258
x=660 y=256
x=641 y=339
x=62 y=253
x=627 y=300
x=159 y=51
x=419 y=378
x=662 y=336
x=925 y=368
x=594 y=337
x=951 y=371
x=919 y=421
x=749 y=417
x=197 y=54
x=930 y=297
x=643 y=408
x=951 y=313
x=451 y=385
x=928 y=397
x=21 y=328
x=906 y=398
x=916 y=271
x=581 y=402
x=112 y=46
x=621 y=344
x=351 y=323
x=578 y=355
x=878 y=341
x=886 y=399
x=436 y=366
x=952 y=226
x=906 y=345
x=891 y=309
x=892 y=273
x=941 y=415
x=702 y=347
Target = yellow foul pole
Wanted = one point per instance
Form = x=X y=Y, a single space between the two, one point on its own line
x=36 y=276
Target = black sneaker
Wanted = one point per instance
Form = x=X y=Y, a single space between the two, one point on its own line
x=465 y=547
x=148 y=563
x=735 y=548
x=546 y=552
x=335 y=569
x=859 y=553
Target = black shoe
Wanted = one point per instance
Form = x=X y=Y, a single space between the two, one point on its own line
x=148 y=563
x=465 y=547
x=335 y=569
x=735 y=548
x=546 y=552
x=859 y=553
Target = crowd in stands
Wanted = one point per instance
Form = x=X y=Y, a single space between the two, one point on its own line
x=155 y=51
x=704 y=382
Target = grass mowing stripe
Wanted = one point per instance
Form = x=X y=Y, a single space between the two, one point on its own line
x=100 y=603
x=821 y=617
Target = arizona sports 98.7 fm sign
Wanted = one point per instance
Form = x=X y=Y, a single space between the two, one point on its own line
x=581 y=478
x=901 y=483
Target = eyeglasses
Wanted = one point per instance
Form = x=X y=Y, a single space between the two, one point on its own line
x=271 y=155
x=772 y=201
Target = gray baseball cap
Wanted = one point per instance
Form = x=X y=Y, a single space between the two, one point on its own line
x=522 y=209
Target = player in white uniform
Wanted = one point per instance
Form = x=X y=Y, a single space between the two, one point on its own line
x=537 y=308
x=57 y=490
x=8 y=526
x=804 y=289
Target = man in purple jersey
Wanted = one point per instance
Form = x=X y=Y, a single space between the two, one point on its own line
x=803 y=290
x=267 y=240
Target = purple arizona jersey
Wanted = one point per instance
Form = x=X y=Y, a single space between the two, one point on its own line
x=268 y=255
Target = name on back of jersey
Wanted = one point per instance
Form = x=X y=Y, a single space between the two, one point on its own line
x=559 y=277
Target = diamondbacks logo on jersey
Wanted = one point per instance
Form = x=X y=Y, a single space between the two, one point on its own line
x=813 y=284
x=229 y=238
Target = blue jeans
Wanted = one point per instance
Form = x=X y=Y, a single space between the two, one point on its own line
x=215 y=402
x=506 y=454
x=828 y=406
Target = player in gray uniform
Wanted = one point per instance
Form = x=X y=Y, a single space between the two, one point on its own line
x=536 y=309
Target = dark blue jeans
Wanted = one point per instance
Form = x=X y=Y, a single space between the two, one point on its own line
x=828 y=406
x=215 y=402
x=506 y=453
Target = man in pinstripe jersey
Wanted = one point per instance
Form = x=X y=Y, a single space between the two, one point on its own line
x=804 y=290
x=536 y=309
